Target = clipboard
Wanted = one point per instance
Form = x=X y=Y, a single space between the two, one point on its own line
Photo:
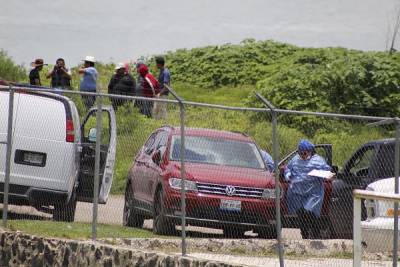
x=322 y=174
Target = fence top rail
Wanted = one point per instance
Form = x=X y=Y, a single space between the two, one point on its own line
x=357 y=193
x=334 y=115
x=191 y=103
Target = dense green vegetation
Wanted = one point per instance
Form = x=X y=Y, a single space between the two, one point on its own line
x=9 y=70
x=312 y=79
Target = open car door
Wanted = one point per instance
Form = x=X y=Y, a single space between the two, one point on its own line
x=85 y=190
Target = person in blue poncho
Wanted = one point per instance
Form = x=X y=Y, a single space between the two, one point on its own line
x=268 y=160
x=305 y=195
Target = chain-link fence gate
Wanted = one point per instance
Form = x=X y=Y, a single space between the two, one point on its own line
x=195 y=171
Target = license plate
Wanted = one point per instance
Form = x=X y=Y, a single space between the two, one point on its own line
x=33 y=158
x=230 y=205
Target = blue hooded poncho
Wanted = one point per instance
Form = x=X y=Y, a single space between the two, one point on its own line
x=305 y=191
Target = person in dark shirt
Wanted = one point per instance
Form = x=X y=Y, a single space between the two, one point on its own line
x=60 y=75
x=121 y=83
x=164 y=78
x=34 y=76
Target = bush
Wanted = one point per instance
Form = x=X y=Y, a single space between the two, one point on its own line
x=9 y=71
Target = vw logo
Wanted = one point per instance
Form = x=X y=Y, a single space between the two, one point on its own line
x=230 y=190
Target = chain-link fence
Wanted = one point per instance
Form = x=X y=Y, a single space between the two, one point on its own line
x=188 y=170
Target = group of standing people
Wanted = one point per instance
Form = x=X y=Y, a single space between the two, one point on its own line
x=121 y=83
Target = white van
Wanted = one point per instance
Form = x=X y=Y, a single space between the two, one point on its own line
x=52 y=160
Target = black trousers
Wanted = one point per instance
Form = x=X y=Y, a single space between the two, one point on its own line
x=310 y=226
x=88 y=100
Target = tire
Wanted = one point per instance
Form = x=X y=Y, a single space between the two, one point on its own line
x=268 y=232
x=233 y=232
x=65 y=212
x=161 y=224
x=130 y=217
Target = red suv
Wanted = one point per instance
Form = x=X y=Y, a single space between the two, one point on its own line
x=228 y=185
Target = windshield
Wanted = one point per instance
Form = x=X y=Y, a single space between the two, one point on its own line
x=217 y=151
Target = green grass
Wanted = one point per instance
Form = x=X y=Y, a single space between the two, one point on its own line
x=80 y=231
x=232 y=96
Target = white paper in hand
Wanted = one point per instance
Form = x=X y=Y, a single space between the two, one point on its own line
x=321 y=173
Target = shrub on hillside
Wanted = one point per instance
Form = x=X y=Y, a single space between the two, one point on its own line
x=9 y=71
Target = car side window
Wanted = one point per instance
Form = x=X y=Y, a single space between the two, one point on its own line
x=384 y=164
x=361 y=163
x=149 y=145
x=321 y=151
x=161 y=139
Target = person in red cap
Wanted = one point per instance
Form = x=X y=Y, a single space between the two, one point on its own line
x=150 y=88
x=34 y=76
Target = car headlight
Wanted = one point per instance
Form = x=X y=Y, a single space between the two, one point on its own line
x=176 y=183
x=268 y=193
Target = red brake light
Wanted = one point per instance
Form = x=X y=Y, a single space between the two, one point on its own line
x=70 y=134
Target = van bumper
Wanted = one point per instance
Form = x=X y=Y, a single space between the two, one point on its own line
x=32 y=196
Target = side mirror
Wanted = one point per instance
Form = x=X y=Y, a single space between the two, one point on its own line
x=156 y=157
x=92 y=135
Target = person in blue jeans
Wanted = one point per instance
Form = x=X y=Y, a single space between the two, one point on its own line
x=88 y=81
x=164 y=77
x=305 y=195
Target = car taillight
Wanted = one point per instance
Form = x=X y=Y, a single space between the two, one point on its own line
x=70 y=137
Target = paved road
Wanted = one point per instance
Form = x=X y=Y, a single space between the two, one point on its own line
x=111 y=213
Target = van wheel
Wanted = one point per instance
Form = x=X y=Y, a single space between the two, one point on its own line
x=65 y=212
x=161 y=224
x=130 y=217
x=268 y=232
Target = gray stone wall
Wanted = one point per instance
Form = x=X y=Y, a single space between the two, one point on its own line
x=18 y=249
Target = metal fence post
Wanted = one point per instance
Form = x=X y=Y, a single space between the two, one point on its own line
x=396 y=191
x=357 y=232
x=182 y=156
x=275 y=154
x=8 y=155
x=99 y=125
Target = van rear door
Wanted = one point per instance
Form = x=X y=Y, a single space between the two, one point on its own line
x=4 y=98
x=43 y=157
x=85 y=190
